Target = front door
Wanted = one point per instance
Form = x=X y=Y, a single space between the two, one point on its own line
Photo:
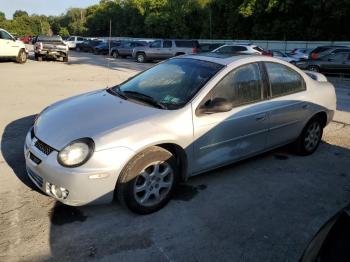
x=220 y=138
x=8 y=47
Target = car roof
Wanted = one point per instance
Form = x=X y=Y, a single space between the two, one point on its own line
x=226 y=59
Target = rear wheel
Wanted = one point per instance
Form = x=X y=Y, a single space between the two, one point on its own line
x=310 y=137
x=147 y=182
x=21 y=57
x=141 y=57
x=115 y=54
x=65 y=59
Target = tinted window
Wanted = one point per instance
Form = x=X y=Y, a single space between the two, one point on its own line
x=336 y=57
x=80 y=39
x=4 y=35
x=225 y=50
x=283 y=80
x=156 y=44
x=241 y=86
x=183 y=43
x=167 y=44
x=173 y=82
x=239 y=48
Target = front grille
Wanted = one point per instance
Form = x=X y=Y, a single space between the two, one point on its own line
x=46 y=149
x=34 y=158
x=37 y=179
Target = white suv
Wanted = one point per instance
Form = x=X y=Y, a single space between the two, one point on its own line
x=12 y=48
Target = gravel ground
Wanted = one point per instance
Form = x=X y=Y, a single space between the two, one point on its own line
x=262 y=209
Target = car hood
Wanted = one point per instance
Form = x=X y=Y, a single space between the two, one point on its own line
x=87 y=115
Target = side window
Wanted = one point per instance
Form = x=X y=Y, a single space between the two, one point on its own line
x=4 y=35
x=337 y=57
x=241 y=86
x=167 y=44
x=225 y=50
x=283 y=80
x=80 y=39
x=156 y=44
x=240 y=48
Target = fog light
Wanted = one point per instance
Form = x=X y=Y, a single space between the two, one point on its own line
x=56 y=191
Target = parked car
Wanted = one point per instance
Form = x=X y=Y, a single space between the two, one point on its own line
x=88 y=45
x=50 y=47
x=208 y=47
x=72 y=41
x=125 y=48
x=184 y=116
x=321 y=51
x=103 y=48
x=25 y=39
x=300 y=53
x=164 y=49
x=239 y=49
x=10 y=48
x=283 y=56
x=331 y=63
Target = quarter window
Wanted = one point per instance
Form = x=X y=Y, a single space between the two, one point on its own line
x=283 y=80
x=241 y=86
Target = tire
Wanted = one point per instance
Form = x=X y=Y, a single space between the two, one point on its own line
x=21 y=57
x=139 y=185
x=65 y=59
x=313 y=68
x=38 y=58
x=140 y=57
x=115 y=54
x=310 y=137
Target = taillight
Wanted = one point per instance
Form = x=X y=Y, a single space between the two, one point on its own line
x=314 y=55
x=194 y=50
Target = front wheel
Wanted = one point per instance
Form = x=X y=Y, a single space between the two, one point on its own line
x=147 y=182
x=21 y=57
x=140 y=58
x=310 y=137
x=115 y=54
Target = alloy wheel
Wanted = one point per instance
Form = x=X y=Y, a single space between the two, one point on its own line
x=153 y=183
x=312 y=136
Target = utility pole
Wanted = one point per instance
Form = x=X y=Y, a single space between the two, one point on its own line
x=210 y=26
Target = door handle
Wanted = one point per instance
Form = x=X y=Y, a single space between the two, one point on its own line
x=261 y=117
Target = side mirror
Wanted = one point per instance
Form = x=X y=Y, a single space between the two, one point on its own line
x=217 y=105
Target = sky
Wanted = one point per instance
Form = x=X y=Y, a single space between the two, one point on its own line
x=42 y=7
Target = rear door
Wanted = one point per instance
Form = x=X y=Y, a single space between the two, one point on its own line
x=167 y=49
x=288 y=104
x=220 y=138
x=333 y=63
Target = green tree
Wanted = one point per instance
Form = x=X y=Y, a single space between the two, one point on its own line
x=63 y=31
x=19 y=13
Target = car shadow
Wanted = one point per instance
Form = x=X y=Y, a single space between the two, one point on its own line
x=12 y=143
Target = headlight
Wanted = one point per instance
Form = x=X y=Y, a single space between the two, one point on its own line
x=76 y=153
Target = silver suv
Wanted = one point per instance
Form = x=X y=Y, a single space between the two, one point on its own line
x=164 y=49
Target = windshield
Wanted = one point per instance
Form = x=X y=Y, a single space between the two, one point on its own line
x=172 y=83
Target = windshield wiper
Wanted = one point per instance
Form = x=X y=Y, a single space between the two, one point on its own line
x=145 y=98
x=116 y=91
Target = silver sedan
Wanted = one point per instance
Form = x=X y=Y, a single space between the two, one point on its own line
x=180 y=118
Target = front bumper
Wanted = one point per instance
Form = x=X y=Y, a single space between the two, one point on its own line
x=93 y=182
x=54 y=54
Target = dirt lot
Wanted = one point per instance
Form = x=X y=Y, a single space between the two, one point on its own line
x=263 y=209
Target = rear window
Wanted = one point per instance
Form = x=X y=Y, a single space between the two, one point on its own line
x=258 y=48
x=320 y=49
x=189 y=44
x=55 y=38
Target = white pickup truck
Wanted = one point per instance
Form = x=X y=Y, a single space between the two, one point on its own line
x=12 y=48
